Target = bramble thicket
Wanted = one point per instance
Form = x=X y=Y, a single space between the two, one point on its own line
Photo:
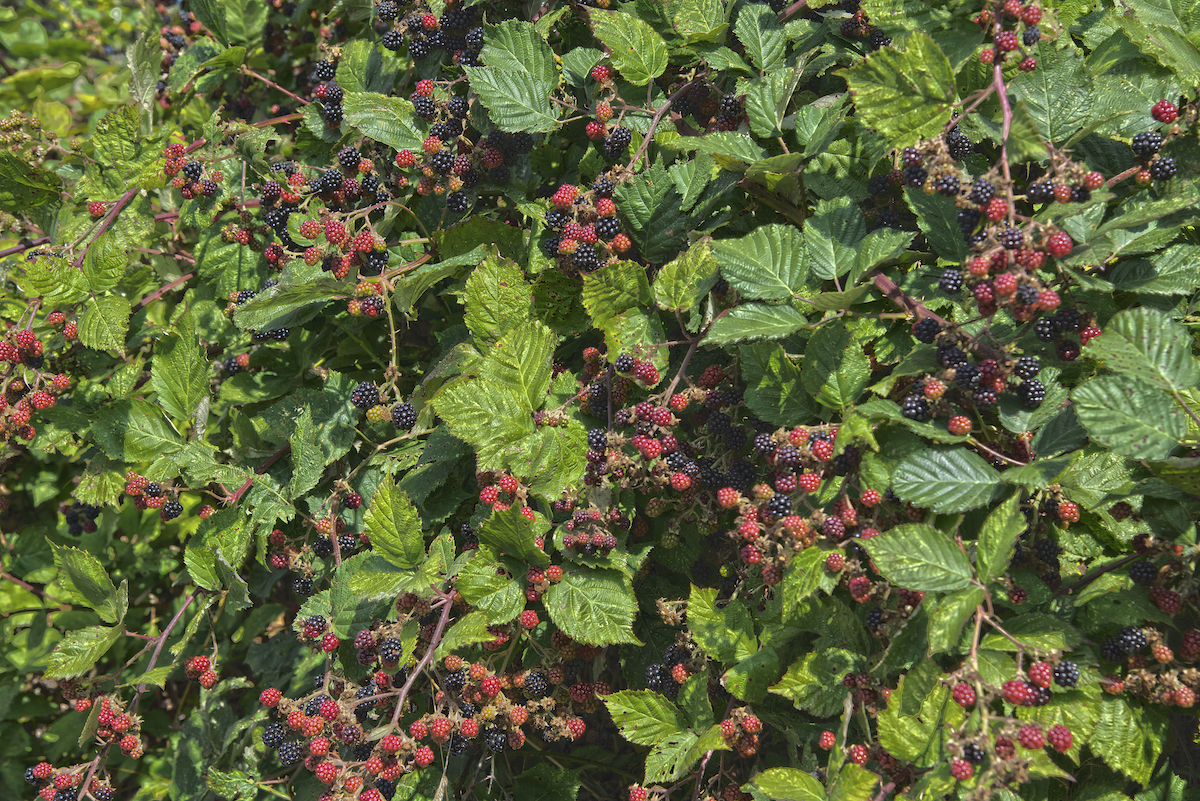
x=662 y=400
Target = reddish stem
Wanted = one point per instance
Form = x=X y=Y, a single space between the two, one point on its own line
x=108 y=221
x=22 y=248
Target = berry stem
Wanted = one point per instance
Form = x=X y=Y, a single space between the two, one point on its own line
x=22 y=248
x=792 y=9
x=998 y=455
x=659 y=113
x=165 y=288
x=247 y=71
x=998 y=83
x=1092 y=575
x=687 y=357
x=109 y=219
x=443 y=619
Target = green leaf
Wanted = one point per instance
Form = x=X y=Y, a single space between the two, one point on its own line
x=86 y=582
x=905 y=94
x=1036 y=630
x=366 y=67
x=751 y=678
x=788 y=784
x=1130 y=417
x=613 y=290
x=520 y=78
x=244 y=20
x=642 y=716
x=553 y=457
x=693 y=699
x=180 y=371
x=835 y=369
x=470 y=629
x=307 y=459
x=755 y=321
x=1164 y=30
x=832 y=236
x=997 y=537
x=805 y=575
x=813 y=683
x=1146 y=344
x=945 y=480
x=668 y=759
x=920 y=557
x=760 y=33
x=651 y=207
x=854 y=783
x=921 y=736
x=683 y=282
x=638 y=52
x=511 y=534
x=767 y=264
x=1058 y=95
x=134 y=431
x=1127 y=738
x=80 y=650
x=773 y=385
x=157 y=677
x=212 y=14
x=395 y=527
x=520 y=363
x=948 y=617
x=390 y=120
x=726 y=634
x=491 y=419
x=545 y=782
x=498 y=298
x=288 y=304
x=487 y=588
x=936 y=217
x=23 y=186
x=593 y=606
x=105 y=323
x=700 y=20
x=237 y=596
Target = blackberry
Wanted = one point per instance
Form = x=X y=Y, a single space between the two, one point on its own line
x=387 y=11
x=323 y=547
x=550 y=246
x=153 y=489
x=973 y=753
x=458 y=744
x=442 y=162
x=1040 y=192
x=274 y=735
x=958 y=144
x=984 y=397
x=779 y=505
x=495 y=739
x=926 y=330
x=302 y=586
x=787 y=456
x=676 y=655
x=1143 y=572
x=370 y=184
x=454 y=681
x=911 y=157
x=617 y=141
x=333 y=93
x=193 y=170
x=30 y=778
x=323 y=71
x=602 y=186
x=1146 y=144
x=536 y=685
x=730 y=106
x=289 y=752
x=1132 y=639
x=1047 y=551
x=1045 y=329
x=447 y=130
x=1027 y=294
x=966 y=376
x=951 y=281
x=386 y=788
x=1066 y=674
x=404 y=417
x=1164 y=169
x=968 y=219
x=584 y=257
x=348 y=543
x=328 y=183
x=521 y=143
x=915 y=407
x=474 y=38
x=332 y=112
x=424 y=107
x=348 y=159
x=879 y=39
x=763 y=443
x=981 y=192
x=879 y=186
x=419 y=47
x=1031 y=35
x=556 y=219
x=607 y=227
x=67 y=794
x=949 y=356
x=947 y=185
x=1012 y=238
x=1068 y=319
x=390 y=651
x=915 y=176
x=383 y=196
x=597 y=439
x=874 y=618
x=1111 y=650
x=657 y=676
x=1027 y=367
x=735 y=439
x=172 y=510
x=458 y=107
x=374 y=264
x=458 y=202
x=1080 y=194
x=365 y=395
x=1031 y=393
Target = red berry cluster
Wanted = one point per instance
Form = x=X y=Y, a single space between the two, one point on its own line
x=1005 y=39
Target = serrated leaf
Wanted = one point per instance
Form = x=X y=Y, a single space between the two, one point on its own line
x=1126 y=739
x=832 y=236
x=490 y=419
x=520 y=78
x=613 y=290
x=997 y=537
x=545 y=782
x=157 y=677
x=758 y=29
x=78 y=652
x=948 y=617
x=835 y=369
x=553 y=457
x=180 y=371
x=520 y=362
x=237 y=595
x=767 y=264
x=937 y=219
x=134 y=431
x=693 y=699
x=105 y=323
x=1163 y=30
x=395 y=527
x=638 y=52
x=104 y=264
x=1129 y=416
x=726 y=634
x=497 y=297
x=788 y=784
x=390 y=120
x=212 y=14
x=813 y=683
x=668 y=760
x=593 y=606
x=23 y=186
x=366 y=67
x=755 y=321
x=920 y=557
x=1146 y=344
x=1036 y=630
x=946 y=481
x=643 y=717
x=750 y=679
x=904 y=91
x=470 y=629
x=288 y=304
x=1058 y=95
x=805 y=575
x=489 y=589
x=774 y=388
x=511 y=534
x=86 y=582
x=684 y=281
x=307 y=459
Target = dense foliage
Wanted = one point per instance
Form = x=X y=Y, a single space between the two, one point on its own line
x=695 y=399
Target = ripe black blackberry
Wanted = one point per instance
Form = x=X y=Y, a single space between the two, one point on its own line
x=1111 y=650
x=104 y=793
x=373 y=264
x=607 y=227
x=1143 y=572
x=328 y=183
x=446 y=130
x=323 y=71
x=788 y=456
x=1068 y=319
x=442 y=162
x=171 y=510
x=458 y=202
x=458 y=744
x=333 y=93
x=915 y=176
x=981 y=192
x=536 y=685
x=386 y=788
x=968 y=219
x=730 y=106
x=1012 y=238
x=365 y=395
x=424 y=107
x=617 y=141
x=985 y=397
x=289 y=752
x=1040 y=192
x=370 y=184
x=949 y=356
x=1031 y=393
x=454 y=681
x=390 y=651
x=915 y=407
x=879 y=185
x=153 y=489
x=973 y=753
x=946 y=185
x=584 y=257
x=951 y=281
x=302 y=586
x=763 y=443
x=966 y=376
x=348 y=543
x=30 y=778
x=1066 y=674
x=1146 y=144
x=1080 y=194
x=656 y=677
x=1047 y=551
x=602 y=186
x=474 y=38
x=550 y=246
x=1031 y=35
x=193 y=170
x=1027 y=367
x=879 y=39
x=911 y=157
x=926 y=330
x=274 y=735
x=556 y=219
x=419 y=47
x=404 y=416
x=323 y=547
x=386 y=11
x=958 y=144
x=676 y=654
x=874 y=618
x=332 y=112
x=1133 y=639
x=348 y=159
x=458 y=107
x=779 y=505
x=1163 y=169
x=1027 y=294
x=495 y=739
x=1045 y=329
x=597 y=439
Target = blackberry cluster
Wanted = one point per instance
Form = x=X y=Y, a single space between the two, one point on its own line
x=951 y=281
x=926 y=330
x=1066 y=674
x=958 y=144
x=404 y=417
x=171 y=510
x=1146 y=144
x=536 y=685
x=1132 y=639
x=659 y=679
x=289 y=752
x=1143 y=572
x=495 y=739
x=915 y=407
x=274 y=735
x=365 y=395
x=617 y=141
x=81 y=518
